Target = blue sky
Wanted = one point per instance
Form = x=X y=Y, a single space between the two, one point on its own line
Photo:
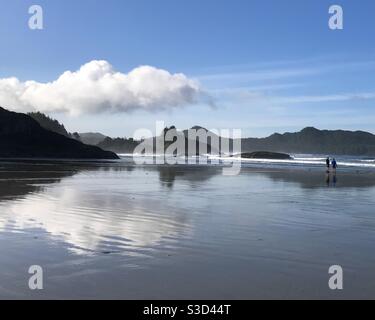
x=267 y=65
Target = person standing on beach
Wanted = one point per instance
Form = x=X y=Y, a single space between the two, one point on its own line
x=334 y=164
x=328 y=163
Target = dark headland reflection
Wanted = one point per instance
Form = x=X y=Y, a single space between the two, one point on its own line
x=19 y=178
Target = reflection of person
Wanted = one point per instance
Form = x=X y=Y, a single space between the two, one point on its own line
x=328 y=179
x=331 y=178
x=331 y=182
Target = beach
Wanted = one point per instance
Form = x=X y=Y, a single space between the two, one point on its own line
x=124 y=231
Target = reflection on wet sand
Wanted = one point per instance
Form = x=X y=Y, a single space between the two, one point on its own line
x=169 y=174
x=331 y=179
x=18 y=182
x=88 y=203
x=150 y=227
x=315 y=179
x=85 y=211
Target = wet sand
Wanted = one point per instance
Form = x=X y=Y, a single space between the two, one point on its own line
x=184 y=232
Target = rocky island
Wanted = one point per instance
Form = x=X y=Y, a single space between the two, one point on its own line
x=266 y=155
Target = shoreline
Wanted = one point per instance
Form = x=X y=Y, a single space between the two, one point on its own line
x=209 y=162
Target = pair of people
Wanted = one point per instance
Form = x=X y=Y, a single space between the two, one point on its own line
x=333 y=163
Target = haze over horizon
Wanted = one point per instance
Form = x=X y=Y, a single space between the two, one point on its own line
x=245 y=72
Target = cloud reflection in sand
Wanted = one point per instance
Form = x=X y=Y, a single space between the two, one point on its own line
x=83 y=213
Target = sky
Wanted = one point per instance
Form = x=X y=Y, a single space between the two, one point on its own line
x=262 y=66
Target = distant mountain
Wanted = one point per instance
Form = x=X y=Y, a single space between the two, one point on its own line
x=23 y=137
x=167 y=142
x=312 y=140
x=92 y=138
x=118 y=145
x=308 y=140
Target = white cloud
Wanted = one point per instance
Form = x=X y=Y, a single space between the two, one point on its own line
x=96 y=87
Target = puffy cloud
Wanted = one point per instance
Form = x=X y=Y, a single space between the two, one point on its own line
x=96 y=87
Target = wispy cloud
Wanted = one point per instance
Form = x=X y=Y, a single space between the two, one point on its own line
x=261 y=87
x=262 y=73
x=324 y=98
x=256 y=88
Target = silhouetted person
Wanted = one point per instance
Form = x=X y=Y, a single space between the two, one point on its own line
x=328 y=164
